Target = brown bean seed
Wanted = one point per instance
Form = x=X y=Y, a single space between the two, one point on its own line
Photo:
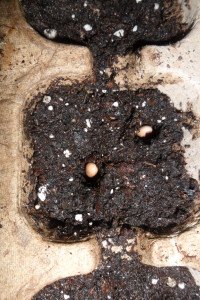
x=144 y=131
x=91 y=169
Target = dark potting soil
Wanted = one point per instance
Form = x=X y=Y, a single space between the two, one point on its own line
x=122 y=276
x=108 y=27
x=141 y=182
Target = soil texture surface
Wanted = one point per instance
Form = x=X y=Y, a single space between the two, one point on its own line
x=141 y=180
x=108 y=28
x=122 y=276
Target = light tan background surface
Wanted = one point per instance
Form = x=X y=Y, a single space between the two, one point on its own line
x=27 y=262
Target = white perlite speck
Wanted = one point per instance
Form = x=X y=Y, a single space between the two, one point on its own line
x=87 y=27
x=171 y=282
x=85 y=4
x=51 y=136
x=71 y=179
x=88 y=123
x=50 y=107
x=73 y=16
x=67 y=153
x=154 y=281
x=135 y=28
x=110 y=241
x=50 y=33
x=156 y=6
x=119 y=33
x=37 y=206
x=105 y=244
x=79 y=217
x=115 y=104
x=42 y=192
x=126 y=256
x=66 y=296
x=116 y=249
x=111 y=191
x=181 y=285
x=137 y=1
x=46 y=99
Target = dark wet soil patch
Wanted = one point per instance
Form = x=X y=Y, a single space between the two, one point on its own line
x=141 y=181
x=108 y=28
x=122 y=276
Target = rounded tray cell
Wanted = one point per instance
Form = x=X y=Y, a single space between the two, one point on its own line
x=122 y=276
x=131 y=144
x=109 y=27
